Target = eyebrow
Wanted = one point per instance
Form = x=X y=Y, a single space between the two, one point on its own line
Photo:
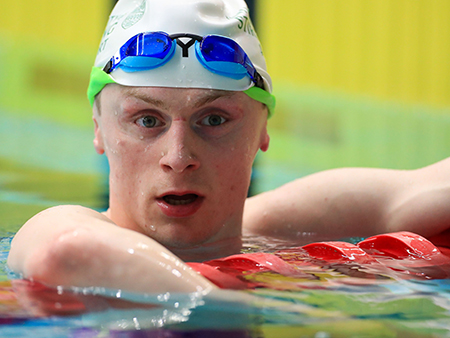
x=200 y=100
x=144 y=97
x=212 y=96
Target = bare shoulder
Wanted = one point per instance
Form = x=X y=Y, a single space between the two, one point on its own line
x=77 y=246
x=47 y=227
x=56 y=220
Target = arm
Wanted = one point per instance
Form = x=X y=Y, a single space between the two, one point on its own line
x=355 y=202
x=76 y=246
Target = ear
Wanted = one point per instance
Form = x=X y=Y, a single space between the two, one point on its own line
x=265 y=140
x=98 y=139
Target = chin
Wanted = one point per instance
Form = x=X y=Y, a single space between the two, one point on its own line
x=175 y=244
x=180 y=238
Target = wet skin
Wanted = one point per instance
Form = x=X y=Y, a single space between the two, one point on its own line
x=180 y=160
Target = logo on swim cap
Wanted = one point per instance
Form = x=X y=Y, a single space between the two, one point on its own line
x=245 y=23
x=135 y=16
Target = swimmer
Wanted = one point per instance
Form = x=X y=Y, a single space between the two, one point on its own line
x=181 y=97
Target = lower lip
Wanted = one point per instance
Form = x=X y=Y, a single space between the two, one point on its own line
x=180 y=211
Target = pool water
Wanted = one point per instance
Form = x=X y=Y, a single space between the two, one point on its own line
x=333 y=300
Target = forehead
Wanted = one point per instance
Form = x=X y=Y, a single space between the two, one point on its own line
x=166 y=98
x=163 y=96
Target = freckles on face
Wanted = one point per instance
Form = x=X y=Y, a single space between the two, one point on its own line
x=169 y=141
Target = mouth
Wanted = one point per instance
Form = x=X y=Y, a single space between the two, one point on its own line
x=180 y=200
x=180 y=205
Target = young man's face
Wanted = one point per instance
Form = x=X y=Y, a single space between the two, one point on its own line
x=180 y=160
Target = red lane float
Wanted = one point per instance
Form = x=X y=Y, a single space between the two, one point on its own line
x=410 y=253
x=406 y=252
x=255 y=262
x=338 y=251
x=224 y=280
x=400 y=245
x=226 y=272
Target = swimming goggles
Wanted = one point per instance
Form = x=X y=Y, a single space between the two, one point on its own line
x=216 y=53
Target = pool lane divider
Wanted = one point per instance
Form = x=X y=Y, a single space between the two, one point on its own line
x=412 y=255
x=406 y=255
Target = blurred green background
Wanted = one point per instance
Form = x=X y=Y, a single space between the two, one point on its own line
x=358 y=83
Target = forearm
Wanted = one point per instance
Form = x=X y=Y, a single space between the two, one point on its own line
x=333 y=204
x=355 y=202
x=88 y=250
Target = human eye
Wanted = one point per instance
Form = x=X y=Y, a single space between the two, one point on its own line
x=213 y=120
x=149 y=121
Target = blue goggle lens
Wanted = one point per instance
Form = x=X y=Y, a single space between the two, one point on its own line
x=218 y=48
x=221 y=54
x=155 y=45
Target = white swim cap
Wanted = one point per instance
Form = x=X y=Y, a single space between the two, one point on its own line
x=228 y=18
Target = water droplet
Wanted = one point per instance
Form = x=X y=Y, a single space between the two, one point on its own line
x=137 y=326
x=164 y=297
x=176 y=273
x=152 y=228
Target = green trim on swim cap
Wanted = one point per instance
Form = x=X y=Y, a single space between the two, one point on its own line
x=262 y=96
x=99 y=79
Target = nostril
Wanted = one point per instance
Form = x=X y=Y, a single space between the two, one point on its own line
x=179 y=163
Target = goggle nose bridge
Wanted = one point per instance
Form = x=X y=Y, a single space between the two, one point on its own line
x=185 y=46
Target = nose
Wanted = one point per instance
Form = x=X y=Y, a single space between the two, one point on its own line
x=179 y=151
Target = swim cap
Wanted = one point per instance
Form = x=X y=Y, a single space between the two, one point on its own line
x=228 y=18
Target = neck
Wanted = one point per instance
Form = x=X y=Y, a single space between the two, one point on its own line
x=205 y=252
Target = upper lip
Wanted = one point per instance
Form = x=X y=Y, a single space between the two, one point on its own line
x=179 y=193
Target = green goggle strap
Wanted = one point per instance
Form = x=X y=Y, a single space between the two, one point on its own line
x=99 y=79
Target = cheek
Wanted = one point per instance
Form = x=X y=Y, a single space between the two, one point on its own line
x=234 y=167
x=241 y=164
x=130 y=160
